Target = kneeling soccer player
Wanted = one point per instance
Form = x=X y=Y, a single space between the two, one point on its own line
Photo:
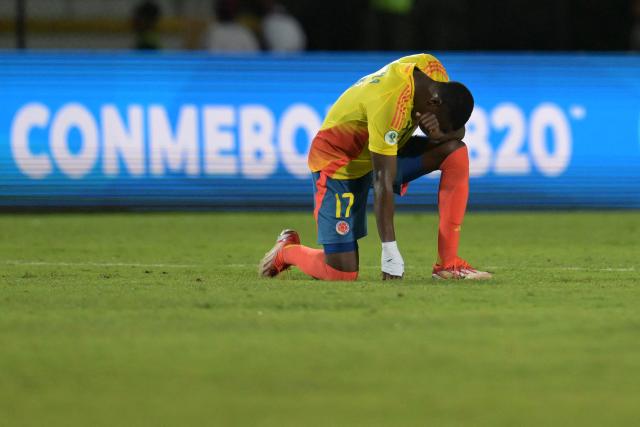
x=367 y=139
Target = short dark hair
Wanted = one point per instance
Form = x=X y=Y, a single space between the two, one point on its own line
x=457 y=103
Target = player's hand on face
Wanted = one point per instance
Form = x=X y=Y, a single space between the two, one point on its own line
x=429 y=124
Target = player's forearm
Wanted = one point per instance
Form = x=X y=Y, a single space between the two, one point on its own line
x=384 y=207
x=456 y=134
x=384 y=174
x=391 y=262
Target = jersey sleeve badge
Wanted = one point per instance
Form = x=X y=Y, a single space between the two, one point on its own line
x=391 y=137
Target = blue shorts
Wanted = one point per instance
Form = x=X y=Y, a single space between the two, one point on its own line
x=340 y=205
x=340 y=208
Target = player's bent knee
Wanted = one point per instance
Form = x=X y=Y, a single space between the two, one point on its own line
x=446 y=149
x=452 y=145
x=344 y=262
x=342 y=266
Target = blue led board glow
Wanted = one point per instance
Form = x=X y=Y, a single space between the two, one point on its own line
x=200 y=131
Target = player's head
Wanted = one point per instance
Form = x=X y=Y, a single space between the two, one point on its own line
x=453 y=104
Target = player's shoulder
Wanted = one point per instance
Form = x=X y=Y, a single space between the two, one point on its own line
x=401 y=70
x=378 y=86
x=390 y=73
x=419 y=59
x=428 y=64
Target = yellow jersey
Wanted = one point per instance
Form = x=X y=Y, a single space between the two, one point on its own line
x=373 y=115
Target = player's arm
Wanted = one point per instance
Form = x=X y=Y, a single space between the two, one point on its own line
x=387 y=113
x=429 y=124
x=456 y=134
x=384 y=175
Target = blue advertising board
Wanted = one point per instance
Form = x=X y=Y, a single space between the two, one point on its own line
x=201 y=131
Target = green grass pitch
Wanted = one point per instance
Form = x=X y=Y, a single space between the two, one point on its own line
x=160 y=320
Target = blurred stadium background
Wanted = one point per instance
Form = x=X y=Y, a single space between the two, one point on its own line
x=200 y=104
x=562 y=25
x=181 y=105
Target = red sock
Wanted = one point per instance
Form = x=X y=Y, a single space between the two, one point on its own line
x=452 y=203
x=311 y=262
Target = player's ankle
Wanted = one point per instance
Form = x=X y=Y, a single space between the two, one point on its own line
x=279 y=262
